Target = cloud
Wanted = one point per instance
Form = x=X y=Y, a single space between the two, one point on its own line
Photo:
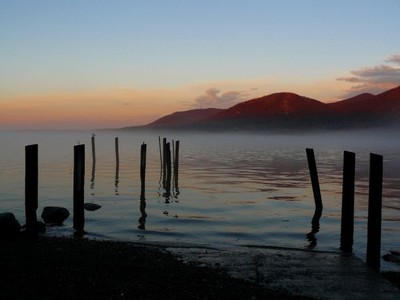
x=375 y=79
x=394 y=59
x=214 y=98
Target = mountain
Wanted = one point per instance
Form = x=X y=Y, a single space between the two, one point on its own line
x=354 y=104
x=274 y=105
x=289 y=111
x=184 y=118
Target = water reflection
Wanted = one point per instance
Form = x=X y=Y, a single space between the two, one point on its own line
x=142 y=209
x=92 y=178
x=116 y=184
x=314 y=230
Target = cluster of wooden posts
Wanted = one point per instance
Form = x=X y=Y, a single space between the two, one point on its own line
x=347 y=217
x=32 y=175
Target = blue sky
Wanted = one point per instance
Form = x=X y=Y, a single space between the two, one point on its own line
x=169 y=55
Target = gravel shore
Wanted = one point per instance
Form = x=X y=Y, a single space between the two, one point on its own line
x=78 y=268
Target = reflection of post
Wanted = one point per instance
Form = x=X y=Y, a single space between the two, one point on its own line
x=79 y=183
x=347 y=224
x=375 y=211
x=315 y=183
x=31 y=187
x=116 y=165
x=142 y=219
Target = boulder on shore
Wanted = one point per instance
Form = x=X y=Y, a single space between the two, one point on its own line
x=54 y=214
x=9 y=226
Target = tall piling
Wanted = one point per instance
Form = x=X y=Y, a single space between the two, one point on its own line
x=176 y=164
x=116 y=162
x=31 y=186
x=93 y=142
x=347 y=221
x=143 y=150
x=375 y=211
x=79 y=190
x=315 y=185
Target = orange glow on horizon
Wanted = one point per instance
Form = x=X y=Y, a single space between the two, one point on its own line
x=122 y=107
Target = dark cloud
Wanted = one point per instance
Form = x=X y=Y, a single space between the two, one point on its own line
x=214 y=98
x=375 y=79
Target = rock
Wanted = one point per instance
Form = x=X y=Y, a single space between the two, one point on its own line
x=91 y=206
x=54 y=214
x=9 y=226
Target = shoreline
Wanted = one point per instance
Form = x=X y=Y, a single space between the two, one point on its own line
x=78 y=268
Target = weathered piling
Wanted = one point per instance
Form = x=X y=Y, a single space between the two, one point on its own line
x=79 y=190
x=176 y=164
x=347 y=222
x=143 y=150
x=116 y=162
x=164 y=167
x=93 y=175
x=31 y=186
x=93 y=142
x=315 y=186
x=375 y=211
x=159 y=147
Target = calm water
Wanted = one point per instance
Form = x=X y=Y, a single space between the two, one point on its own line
x=233 y=189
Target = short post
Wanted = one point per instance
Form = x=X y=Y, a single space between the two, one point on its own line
x=164 y=168
x=347 y=224
x=375 y=211
x=79 y=190
x=31 y=186
x=315 y=184
x=143 y=150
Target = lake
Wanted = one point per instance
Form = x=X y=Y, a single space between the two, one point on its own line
x=233 y=189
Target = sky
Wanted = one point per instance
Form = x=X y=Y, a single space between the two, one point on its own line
x=69 y=64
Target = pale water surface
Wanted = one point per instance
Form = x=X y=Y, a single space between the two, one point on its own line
x=233 y=189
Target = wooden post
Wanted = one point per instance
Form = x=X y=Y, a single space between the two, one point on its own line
x=31 y=186
x=315 y=184
x=176 y=164
x=347 y=223
x=375 y=211
x=93 y=142
x=168 y=170
x=143 y=150
x=79 y=191
x=116 y=162
x=164 y=168
x=159 y=146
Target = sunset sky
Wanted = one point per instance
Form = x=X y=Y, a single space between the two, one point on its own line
x=68 y=64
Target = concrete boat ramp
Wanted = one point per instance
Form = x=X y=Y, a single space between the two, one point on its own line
x=320 y=275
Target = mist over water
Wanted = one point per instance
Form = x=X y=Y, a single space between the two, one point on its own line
x=234 y=188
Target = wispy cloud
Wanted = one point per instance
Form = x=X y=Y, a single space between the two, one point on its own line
x=214 y=98
x=374 y=79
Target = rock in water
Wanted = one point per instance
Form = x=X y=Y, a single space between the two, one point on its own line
x=9 y=225
x=54 y=214
x=92 y=206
